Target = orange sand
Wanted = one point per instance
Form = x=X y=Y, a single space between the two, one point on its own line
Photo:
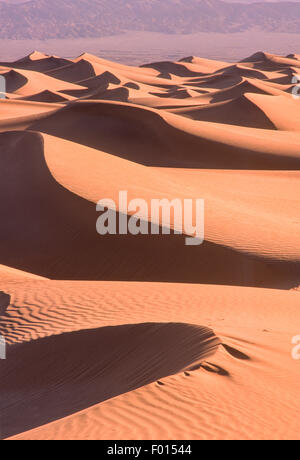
x=124 y=337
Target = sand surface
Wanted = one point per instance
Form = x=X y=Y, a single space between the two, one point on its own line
x=143 y=337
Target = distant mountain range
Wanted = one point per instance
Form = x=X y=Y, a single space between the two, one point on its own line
x=44 y=19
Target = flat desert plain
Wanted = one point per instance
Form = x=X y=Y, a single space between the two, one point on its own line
x=142 y=337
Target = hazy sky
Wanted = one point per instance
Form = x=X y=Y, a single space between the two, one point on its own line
x=144 y=46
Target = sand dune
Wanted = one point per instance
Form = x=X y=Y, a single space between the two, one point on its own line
x=20 y=113
x=231 y=395
x=113 y=65
x=48 y=96
x=139 y=355
x=158 y=138
x=75 y=71
x=40 y=161
x=269 y=61
x=13 y=109
x=143 y=337
x=240 y=111
x=37 y=61
x=26 y=82
x=12 y=274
